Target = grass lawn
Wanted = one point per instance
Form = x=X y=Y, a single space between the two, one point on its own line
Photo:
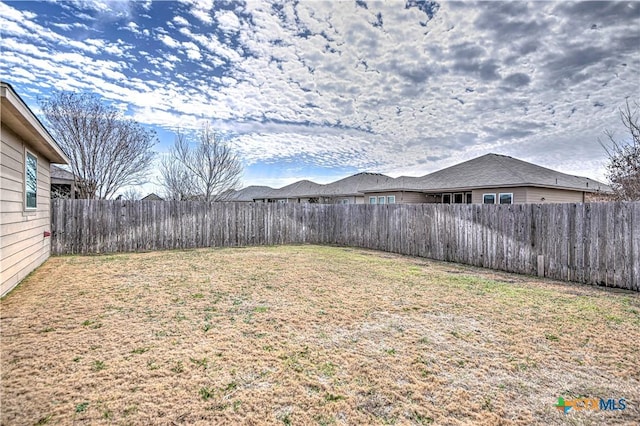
x=307 y=335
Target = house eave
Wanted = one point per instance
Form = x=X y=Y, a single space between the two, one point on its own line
x=17 y=116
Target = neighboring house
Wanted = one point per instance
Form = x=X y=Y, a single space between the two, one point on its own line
x=489 y=179
x=152 y=197
x=395 y=192
x=349 y=190
x=344 y=191
x=248 y=194
x=26 y=152
x=63 y=183
x=303 y=191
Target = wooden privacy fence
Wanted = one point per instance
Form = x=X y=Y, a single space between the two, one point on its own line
x=596 y=243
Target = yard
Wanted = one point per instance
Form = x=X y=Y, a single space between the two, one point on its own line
x=309 y=335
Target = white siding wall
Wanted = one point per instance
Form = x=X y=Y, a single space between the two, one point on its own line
x=23 y=246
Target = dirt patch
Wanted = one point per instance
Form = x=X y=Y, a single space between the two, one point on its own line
x=309 y=335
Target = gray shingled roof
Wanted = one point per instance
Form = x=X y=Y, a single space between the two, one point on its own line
x=152 y=197
x=491 y=170
x=353 y=185
x=60 y=173
x=249 y=193
x=349 y=186
x=302 y=188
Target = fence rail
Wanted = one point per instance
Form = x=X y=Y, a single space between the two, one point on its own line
x=592 y=243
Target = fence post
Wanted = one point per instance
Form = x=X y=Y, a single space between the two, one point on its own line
x=540 y=265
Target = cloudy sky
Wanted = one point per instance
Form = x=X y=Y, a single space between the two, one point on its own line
x=323 y=89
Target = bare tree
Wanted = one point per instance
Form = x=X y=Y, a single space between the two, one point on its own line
x=131 y=194
x=59 y=191
x=623 y=166
x=107 y=151
x=176 y=180
x=206 y=170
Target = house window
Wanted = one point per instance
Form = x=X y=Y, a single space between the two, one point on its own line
x=457 y=198
x=372 y=200
x=282 y=201
x=31 y=181
x=344 y=201
x=488 y=198
x=506 y=198
x=391 y=199
x=469 y=198
x=381 y=200
x=446 y=198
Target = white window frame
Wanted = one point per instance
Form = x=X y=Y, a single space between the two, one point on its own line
x=27 y=153
x=510 y=194
x=391 y=199
x=450 y=195
x=493 y=194
x=373 y=200
x=381 y=199
x=461 y=195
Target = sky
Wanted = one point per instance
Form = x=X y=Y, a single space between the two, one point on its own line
x=324 y=89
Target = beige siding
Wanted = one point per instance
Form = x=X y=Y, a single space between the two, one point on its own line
x=402 y=197
x=536 y=195
x=23 y=246
x=350 y=200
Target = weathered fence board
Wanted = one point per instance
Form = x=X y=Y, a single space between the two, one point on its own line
x=597 y=243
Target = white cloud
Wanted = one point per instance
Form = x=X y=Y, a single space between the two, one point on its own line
x=106 y=8
x=192 y=50
x=212 y=44
x=384 y=88
x=133 y=27
x=62 y=26
x=201 y=9
x=181 y=21
x=168 y=40
x=114 y=49
x=227 y=20
x=13 y=14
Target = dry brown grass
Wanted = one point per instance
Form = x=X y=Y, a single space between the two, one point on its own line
x=309 y=335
